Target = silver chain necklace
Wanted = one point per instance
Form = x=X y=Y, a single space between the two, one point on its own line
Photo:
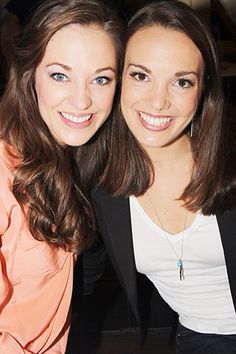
x=179 y=263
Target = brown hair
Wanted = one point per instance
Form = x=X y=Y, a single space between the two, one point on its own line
x=131 y=171
x=44 y=183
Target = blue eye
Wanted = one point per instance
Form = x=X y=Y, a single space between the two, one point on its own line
x=139 y=76
x=101 y=80
x=184 y=83
x=59 y=77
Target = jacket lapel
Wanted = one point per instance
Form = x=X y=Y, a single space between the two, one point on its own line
x=227 y=226
x=117 y=236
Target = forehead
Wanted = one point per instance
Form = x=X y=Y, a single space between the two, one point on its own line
x=92 y=31
x=73 y=42
x=165 y=46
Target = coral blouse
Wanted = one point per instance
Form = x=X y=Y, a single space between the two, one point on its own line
x=35 y=281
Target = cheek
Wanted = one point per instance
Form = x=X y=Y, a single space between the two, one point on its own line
x=131 y=95
x=192 y=106
x=187 y=104
x=104 y=100
x=49 y=98
x=127 y=97
x=48 y=93
x=128 y=113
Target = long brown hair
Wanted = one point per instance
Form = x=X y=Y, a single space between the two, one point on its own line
x=44 y=183
x=131 y=171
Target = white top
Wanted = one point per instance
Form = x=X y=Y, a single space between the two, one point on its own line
x=203 y=299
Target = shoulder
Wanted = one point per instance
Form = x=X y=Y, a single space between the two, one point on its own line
x=107 y=204
x=228 y=214
x=100 y=193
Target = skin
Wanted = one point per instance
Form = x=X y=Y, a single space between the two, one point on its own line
x=75 y=83
x=162 y=83
x=161 y=88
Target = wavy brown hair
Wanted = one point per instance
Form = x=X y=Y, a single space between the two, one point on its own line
x=213 y=187
x=47 y=182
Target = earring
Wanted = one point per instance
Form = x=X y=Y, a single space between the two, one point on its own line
x=191 y=129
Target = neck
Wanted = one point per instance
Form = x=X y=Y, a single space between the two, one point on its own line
x=176 y=154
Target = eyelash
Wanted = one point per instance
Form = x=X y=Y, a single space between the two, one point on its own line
x=188 y=81
x=54 y=76
x=134 y=74
x=108 y=80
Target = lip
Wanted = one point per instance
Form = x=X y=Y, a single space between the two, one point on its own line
x=75 y=120
x=155 y=122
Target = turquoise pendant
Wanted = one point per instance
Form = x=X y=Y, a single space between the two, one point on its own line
x=179 y=263
x=180 y=266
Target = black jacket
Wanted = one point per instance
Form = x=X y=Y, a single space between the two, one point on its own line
x=114 y=223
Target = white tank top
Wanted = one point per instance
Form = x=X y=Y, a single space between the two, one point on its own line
x=203 y=299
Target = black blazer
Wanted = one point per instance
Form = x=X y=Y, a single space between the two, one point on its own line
x=113 y=216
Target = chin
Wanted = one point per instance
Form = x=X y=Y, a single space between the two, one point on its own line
x=75 y=143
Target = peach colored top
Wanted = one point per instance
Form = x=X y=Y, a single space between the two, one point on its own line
x=35 y=281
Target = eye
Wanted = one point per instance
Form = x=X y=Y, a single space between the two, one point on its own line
x=59 y=77
x=184 y=83
x=101 y=80
x=139 y=76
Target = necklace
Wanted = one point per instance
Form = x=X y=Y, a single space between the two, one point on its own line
x=179 y=263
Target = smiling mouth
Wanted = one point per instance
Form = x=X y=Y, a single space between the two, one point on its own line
x=76 y=119
x=160 y=121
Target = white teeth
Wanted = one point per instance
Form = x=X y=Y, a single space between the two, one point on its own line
x=74 y=119
x=155 y=121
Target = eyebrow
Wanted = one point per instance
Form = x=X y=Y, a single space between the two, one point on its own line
x=178 y=74
x=104 y=69
x=68 y=68
x=184 y=73
x=144 y=68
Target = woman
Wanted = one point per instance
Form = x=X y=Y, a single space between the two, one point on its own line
x=60 y=91
x=168 y=209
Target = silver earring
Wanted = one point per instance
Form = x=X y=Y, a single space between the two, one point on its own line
x=191 y=129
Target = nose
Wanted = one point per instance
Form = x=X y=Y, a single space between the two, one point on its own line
x=159 y=98
x=81 y=97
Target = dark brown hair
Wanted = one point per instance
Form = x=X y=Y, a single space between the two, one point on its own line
x=131 y=171
x=44 y=182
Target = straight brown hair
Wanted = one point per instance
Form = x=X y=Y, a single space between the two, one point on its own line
x=129 y=170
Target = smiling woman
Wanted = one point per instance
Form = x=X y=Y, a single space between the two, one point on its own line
x=160 y=97
x=75 y=93
x=60 y=92
x=167 y=214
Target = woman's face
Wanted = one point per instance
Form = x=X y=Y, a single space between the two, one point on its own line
x=161 y=86
x=75 y=83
